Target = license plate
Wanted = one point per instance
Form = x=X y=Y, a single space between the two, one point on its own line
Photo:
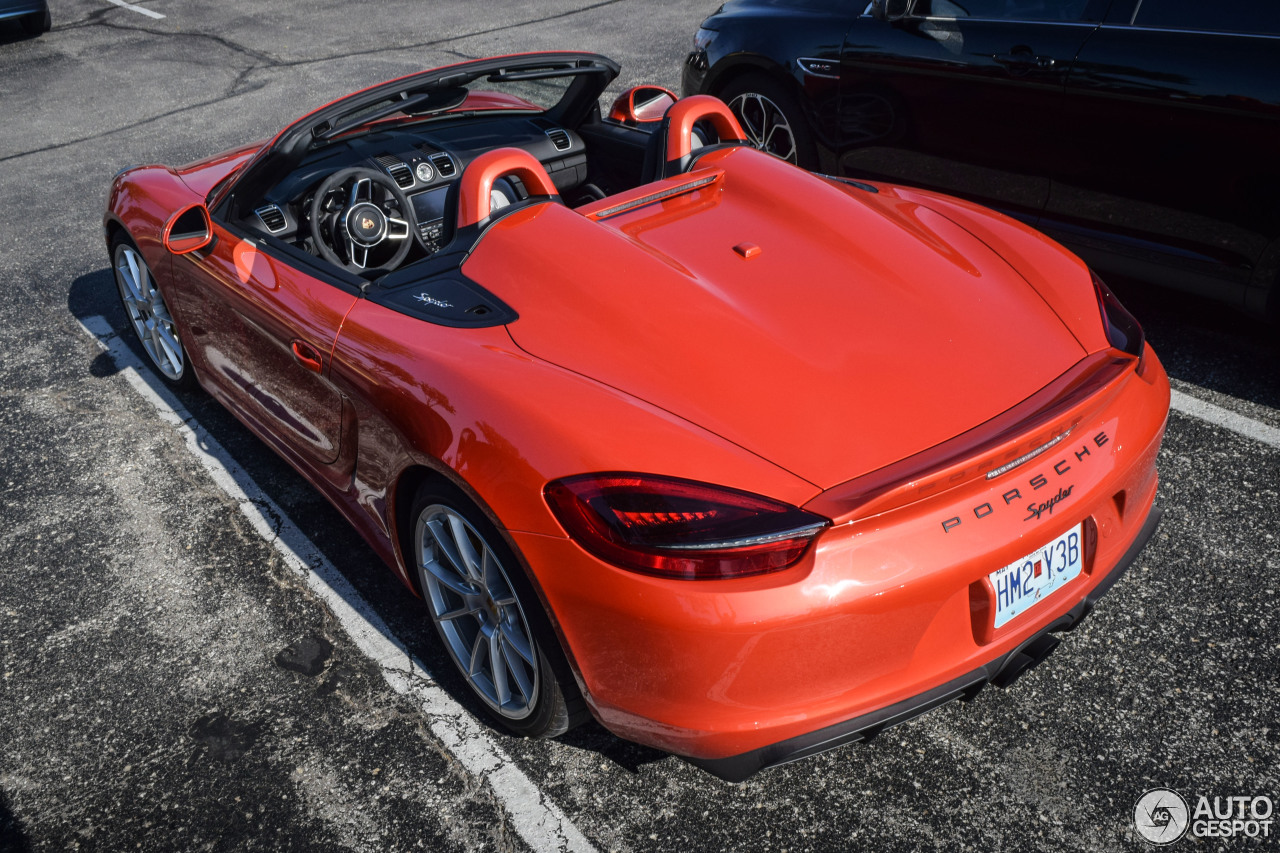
x=1023 y=583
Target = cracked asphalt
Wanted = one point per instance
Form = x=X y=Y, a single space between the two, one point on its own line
x=169 y=682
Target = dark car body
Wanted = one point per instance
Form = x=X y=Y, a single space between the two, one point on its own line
x=33 y=15
x=1143 y=135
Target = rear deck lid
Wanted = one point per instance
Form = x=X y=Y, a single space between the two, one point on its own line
x=830 y=333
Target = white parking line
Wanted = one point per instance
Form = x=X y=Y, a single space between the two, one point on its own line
x=1225 y=418
x=139 y=9
x=538 y=820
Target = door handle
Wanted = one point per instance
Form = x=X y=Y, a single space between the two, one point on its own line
x=306 y=355
x=1024 y=61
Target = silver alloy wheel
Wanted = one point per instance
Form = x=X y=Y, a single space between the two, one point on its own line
x=766 y=125
x=147 y=312
x=477 y=612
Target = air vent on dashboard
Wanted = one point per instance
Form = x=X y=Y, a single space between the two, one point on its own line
x=272 y=217
x=560 y=139
x=443 y=163
x=397 y=169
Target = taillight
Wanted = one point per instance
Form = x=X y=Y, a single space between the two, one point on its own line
x=1123 y=330
x=680 y=528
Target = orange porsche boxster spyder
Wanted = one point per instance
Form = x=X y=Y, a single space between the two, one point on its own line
x=743 y=461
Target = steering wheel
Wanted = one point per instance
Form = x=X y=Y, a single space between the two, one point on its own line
x=361 y=221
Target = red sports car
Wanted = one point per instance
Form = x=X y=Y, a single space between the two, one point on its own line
x=743 y=461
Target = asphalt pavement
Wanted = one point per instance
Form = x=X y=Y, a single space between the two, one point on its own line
x=196 y=652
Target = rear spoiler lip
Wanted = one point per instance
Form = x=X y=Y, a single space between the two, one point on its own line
x=1018 y=432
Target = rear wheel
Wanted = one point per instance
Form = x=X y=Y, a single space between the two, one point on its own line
x=488 y=617
x=37 y=23
x=771 y=118
x=148 y=314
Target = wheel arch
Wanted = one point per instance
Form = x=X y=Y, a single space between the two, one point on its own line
x=413 y=478
x=739 y=65
x=112 y=228
x=141 y=200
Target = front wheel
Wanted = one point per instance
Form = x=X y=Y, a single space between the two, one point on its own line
x=489 y=618
x=771 y=118
x=148 y=314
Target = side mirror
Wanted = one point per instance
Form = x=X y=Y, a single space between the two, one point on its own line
x=188 y=230
x=890 y=11
x=642 y=104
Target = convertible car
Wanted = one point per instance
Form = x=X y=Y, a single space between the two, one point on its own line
x=744 y=462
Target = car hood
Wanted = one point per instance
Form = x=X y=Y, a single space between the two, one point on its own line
x=828 y=329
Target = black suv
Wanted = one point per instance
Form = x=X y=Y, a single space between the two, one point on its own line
x=1144 y=134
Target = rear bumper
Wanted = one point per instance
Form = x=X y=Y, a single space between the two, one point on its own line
x=1001 y=672
x=888 y=614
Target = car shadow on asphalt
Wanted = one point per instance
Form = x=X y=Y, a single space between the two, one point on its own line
x=593 y=737
x=403 y=614
x=12 y=837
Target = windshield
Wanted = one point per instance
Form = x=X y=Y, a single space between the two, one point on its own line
x=564 y=84
x=542 y=94
x=526 y=83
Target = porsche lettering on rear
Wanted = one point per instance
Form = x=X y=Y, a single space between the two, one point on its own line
x=1040 y=481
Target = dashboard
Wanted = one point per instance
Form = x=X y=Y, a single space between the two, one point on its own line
x=424 y=160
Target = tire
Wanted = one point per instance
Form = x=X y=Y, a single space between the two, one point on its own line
x=37 y=23
x=772 y=118
x=148 y=315
x=483 y=607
